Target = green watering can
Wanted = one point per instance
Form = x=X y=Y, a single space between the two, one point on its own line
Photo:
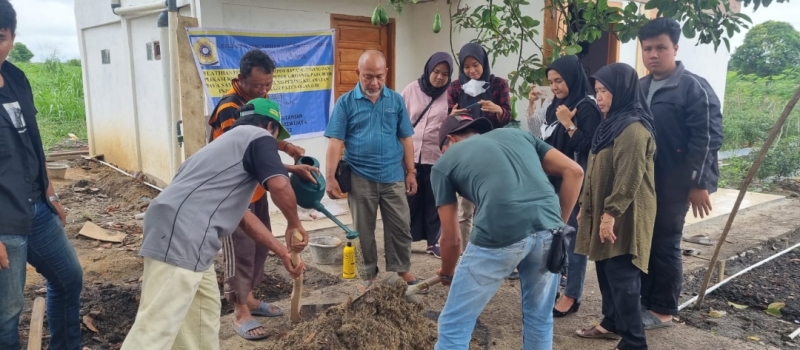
x=309 y=194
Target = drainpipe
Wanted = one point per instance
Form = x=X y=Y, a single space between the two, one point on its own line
x=174 y=67
x=166 y=61
x=117 y=8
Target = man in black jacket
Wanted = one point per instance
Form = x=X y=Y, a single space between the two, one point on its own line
x=688 y=124
x=31 y=218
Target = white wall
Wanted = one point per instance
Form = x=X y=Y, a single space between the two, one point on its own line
x=703 y=61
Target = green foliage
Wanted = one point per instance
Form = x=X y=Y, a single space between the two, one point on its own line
x=782 y=161
x=58 y=95
x=74 y=62
x=768 y=49
x=20 y=54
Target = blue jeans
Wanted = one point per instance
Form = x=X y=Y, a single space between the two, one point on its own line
x=576 y=263
x=47 y=249
x=478 y=276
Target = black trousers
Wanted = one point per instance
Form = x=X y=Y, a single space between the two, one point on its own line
x=661 y=286
x=620 y=285
x=425 y=224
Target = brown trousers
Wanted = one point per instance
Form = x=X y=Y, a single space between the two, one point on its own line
x=244 y=259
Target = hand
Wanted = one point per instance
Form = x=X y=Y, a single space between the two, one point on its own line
x=295 y=271
x=60 y=212
x=565 y=115
x=294 y=151
x=700 y=201
x=457 y=111
x=333 y=190
x=4 y=263
x=535 y=94
x=578 y=218
x=607 y=229
x=296 y=246
x=491 y=107
x=439 y=273
x=411 y=184
x=306 y=172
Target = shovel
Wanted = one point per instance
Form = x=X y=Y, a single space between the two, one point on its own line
x=298 y=283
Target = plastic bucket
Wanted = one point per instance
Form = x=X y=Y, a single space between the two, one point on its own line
x=324 y=249
x=57 y=170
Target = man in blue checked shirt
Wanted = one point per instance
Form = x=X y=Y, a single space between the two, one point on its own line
x=371 y=124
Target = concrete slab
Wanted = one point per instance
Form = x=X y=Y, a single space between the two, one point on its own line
x=723 y=200
x=772 y=218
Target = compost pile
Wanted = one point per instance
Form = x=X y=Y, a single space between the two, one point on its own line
x=381 y=319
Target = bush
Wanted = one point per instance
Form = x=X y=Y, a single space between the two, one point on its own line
x=58 y=95
x=782 y=161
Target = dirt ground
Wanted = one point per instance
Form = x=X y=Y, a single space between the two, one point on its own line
x=743 y=301
x=92 y=192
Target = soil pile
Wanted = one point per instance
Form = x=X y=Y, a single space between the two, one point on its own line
x=380 y=320
x=110 y=310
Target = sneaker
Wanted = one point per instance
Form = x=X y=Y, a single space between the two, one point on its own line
x=434 y=250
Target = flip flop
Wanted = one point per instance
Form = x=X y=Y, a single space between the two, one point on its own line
x=691 y=252
x=513 y=276
x=699 y=239
x=364 y=286
x=652 y=322
x=265 y=309
x=249 y=326
x=594 y=333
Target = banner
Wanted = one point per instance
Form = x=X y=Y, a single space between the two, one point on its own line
x=303 y=80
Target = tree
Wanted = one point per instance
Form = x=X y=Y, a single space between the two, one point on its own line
x=504 y=29
x=20 y=54
x=768 y=49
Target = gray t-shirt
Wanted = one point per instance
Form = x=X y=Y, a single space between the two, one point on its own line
x=208 y=198
x=654 y=86
x=501 y=172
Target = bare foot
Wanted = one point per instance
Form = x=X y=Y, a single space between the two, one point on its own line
x=662 y=318
x=253 y=304
x=241 y=313
x=564 y=304
x=407 y=276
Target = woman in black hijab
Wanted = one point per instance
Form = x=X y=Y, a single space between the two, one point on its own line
x=426 y=103
x=494 y=103
x=619 y=204
x=570 y=122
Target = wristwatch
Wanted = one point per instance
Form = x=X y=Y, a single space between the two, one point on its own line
x=572 y=128
x=446 y=278
x=53 y=198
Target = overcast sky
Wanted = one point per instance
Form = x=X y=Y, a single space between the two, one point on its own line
x=48 y=26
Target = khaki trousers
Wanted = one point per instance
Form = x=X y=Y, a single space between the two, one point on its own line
x=466 y=211
x=179 y=310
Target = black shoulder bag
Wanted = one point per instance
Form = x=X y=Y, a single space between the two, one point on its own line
x=557 y=256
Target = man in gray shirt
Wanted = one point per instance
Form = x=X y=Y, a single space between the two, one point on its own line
x=207 y=200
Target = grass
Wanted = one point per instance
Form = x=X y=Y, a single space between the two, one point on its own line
x=58 y=94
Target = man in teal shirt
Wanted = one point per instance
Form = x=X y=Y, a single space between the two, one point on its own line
x=504 y=172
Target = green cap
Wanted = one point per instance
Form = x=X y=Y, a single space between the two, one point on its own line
x=268 y=109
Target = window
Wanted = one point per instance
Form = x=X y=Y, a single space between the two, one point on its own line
x=157 y=50
x=149 y=47
x=106 y=56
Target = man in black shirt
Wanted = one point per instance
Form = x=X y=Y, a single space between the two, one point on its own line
x=31 y=218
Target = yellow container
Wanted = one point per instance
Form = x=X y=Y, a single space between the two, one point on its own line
x=349 y=261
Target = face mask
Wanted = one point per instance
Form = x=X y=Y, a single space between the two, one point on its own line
x=474 y=87
x=547 y=130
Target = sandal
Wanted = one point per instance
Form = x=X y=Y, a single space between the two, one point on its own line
x=699 y=239
x=594 y=333
x=651 y=321
x=249 y=326
x=265 y=309
x=364 y=286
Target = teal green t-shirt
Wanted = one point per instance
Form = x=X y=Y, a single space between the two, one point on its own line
x=501 y=172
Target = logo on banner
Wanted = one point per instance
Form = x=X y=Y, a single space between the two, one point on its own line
x=206 y=50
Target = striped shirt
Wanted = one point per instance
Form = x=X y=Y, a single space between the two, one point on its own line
x=371 y=133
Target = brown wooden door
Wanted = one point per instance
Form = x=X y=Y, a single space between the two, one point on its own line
x=355 y=34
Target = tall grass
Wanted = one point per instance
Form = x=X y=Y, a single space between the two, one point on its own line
x=58 y=95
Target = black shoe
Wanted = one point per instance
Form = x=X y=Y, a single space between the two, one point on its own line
x=575 y=306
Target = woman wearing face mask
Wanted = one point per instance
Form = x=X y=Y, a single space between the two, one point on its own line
x=426 y=103
x=570 y=122
x=494 y=104
x=619 y=204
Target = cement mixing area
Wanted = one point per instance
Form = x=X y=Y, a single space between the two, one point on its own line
x=758 y=309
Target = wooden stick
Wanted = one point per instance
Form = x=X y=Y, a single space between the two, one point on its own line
x=721 y=271
x=743 y=189
x=298 y=283
x=37 y=318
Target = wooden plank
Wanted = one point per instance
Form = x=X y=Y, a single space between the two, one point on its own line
x=37 y=319
x=190 y=87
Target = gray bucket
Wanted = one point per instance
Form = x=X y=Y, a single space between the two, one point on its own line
x=324 y=249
